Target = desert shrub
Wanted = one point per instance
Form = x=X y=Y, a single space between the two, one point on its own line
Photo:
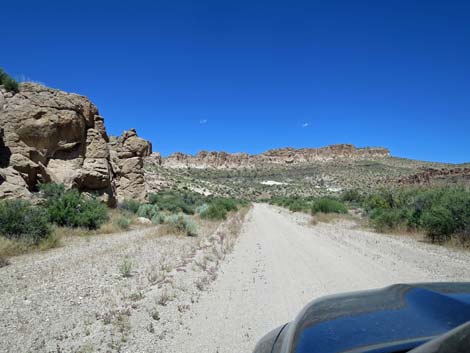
x=147 y=211
x=226 y=203
x=174 y=201
x=10 y=84
x=375 y=201
x=294 y=203
x=218 y=209
x=440 y=212
x=126 y=267
x=19 y=220
x=439 y=222
x=158 y=218
x=353 y=196
x=182 y=224
x=202 y=208
x=124 y=223
x=326 y=205
x=214 y=212
x=130 y=205
x=70 y=208
x=386 y=219
x=299 y=206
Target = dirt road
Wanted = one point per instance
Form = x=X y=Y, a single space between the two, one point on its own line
x=279 y=265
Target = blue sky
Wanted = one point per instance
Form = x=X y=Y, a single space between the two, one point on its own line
x=254 y=75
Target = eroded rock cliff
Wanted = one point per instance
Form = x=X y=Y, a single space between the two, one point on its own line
x=284 y=156
x=48 y=135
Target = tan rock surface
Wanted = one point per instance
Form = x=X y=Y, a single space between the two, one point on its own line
x=283 y=156
x=50 y=135
x=127 y=159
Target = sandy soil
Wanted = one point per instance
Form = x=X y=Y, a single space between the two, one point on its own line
x=76 y=299
x=191 y=295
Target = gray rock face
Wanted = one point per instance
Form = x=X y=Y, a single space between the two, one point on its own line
x=49 y=135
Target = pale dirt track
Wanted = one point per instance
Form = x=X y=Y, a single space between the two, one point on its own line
x=280 y=264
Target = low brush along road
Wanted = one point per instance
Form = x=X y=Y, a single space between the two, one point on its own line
x=280 y=263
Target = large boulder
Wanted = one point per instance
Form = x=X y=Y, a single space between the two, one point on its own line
x=49 y=135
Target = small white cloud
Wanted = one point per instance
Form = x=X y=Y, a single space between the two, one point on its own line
x=203 y=121
x=305 y=125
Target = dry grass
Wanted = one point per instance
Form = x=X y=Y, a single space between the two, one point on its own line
x=330 y=217
x=10 y=247
x=4 y=262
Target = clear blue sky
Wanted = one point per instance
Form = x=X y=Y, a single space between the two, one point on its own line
x=253 y=75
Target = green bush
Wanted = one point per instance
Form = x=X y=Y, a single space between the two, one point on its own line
x=326 y=205
x=70 y=208
x=440 y=212
x=214 y=212
x=130 y=205
x=124 y=223
x=218 y=209
x=174 y=201
x=227 y=204
x=147 y=211
x=182 y=223
x=375 y=201
x=10 y=84
x=439 y=222
x=202 y=208
x=21 y=221
x=158 y=218
x=389 y=219
x=353 y=196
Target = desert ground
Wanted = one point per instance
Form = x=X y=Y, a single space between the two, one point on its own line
x=219 y=292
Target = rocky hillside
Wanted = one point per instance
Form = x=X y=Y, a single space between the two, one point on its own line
x=48 y=135
x=284 y=156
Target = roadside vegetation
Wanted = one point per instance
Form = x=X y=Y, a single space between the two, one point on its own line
x=311 y=204
x=7 y=82
x=441 y=213
x=25 y=226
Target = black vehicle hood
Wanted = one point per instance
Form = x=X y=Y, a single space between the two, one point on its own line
x=395 y=318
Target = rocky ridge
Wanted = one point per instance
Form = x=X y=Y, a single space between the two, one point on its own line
x=284 y=156
x=429 y=176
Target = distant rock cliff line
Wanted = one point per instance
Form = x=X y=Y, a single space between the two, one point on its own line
x=283 y=156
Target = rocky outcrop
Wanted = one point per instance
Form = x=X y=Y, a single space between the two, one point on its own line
x=284 y=156
x=431 y=176
x=206 y=159
x=48 y=135
x=127 y=156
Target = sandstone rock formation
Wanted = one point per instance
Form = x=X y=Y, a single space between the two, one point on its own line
x=430 y=176
x=48 y=135
x=127 y=156
x=284 y=156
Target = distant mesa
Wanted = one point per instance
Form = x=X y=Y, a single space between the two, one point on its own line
x=282 y=156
